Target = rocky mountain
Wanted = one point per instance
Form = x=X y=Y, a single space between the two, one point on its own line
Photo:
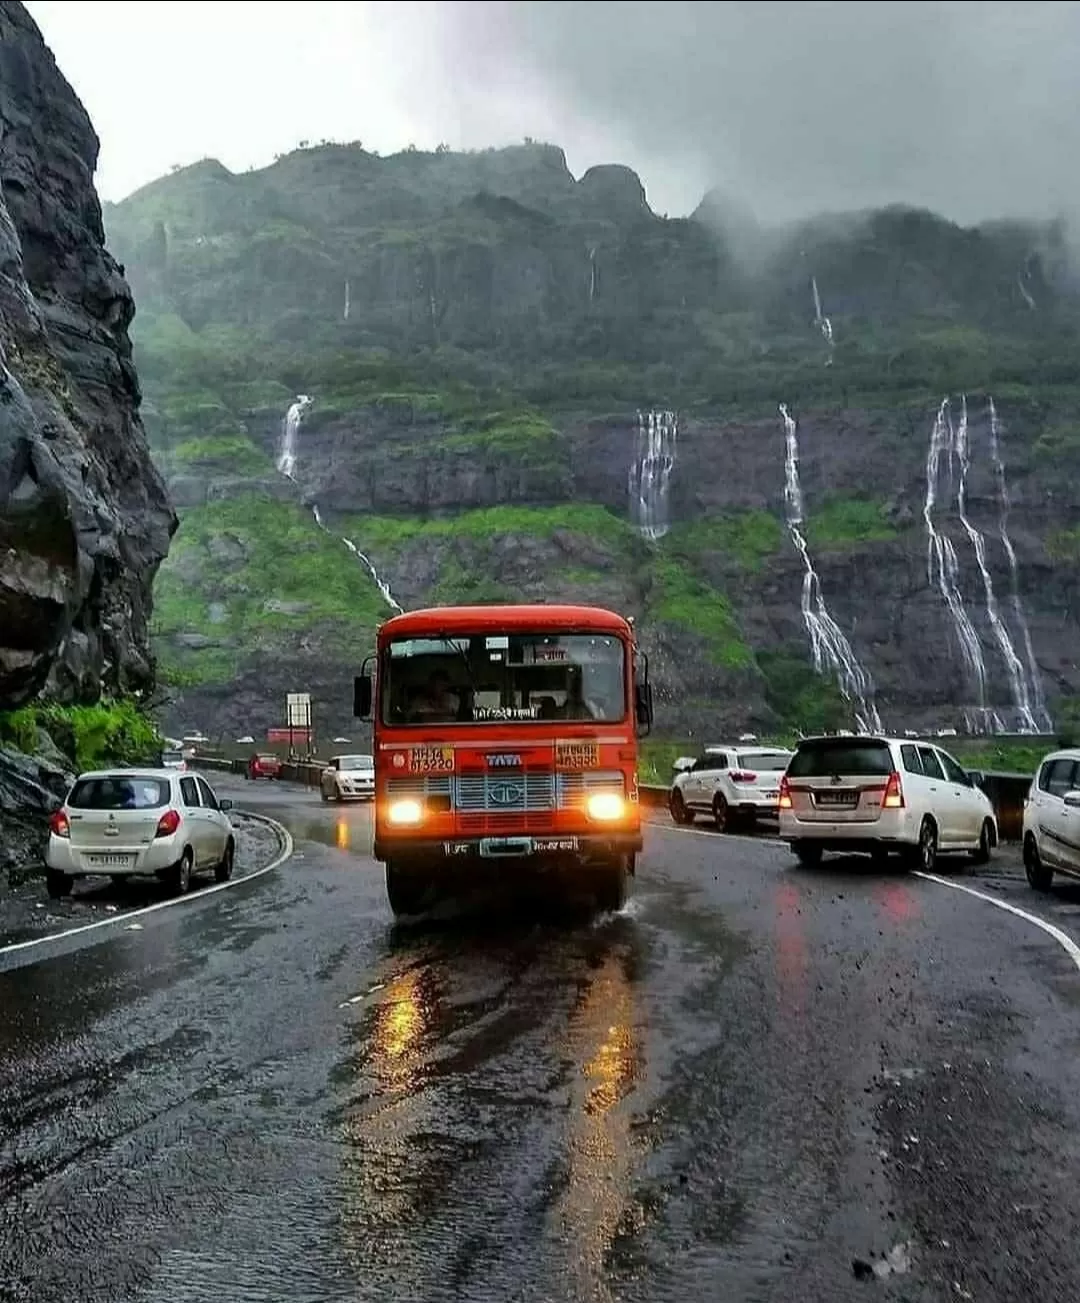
x=519 y=383
x=84 y=516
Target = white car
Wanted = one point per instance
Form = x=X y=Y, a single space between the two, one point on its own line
x=348 y=777
x=1052 y=820
x=123 y=822
x=880 y=795
x=731 y=783
x=173 y=758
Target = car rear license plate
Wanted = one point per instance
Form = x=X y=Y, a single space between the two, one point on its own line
x=773 y=791
x=110 y=861
x=838 y=799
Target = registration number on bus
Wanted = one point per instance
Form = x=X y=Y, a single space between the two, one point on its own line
x=428 y=760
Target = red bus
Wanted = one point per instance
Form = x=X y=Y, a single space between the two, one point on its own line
x=506 y=741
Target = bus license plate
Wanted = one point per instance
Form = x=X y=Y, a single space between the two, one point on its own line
x=427 y=760
x=576 y=754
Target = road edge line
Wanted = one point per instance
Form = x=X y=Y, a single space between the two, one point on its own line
x=1062 y=938
x=285 y=851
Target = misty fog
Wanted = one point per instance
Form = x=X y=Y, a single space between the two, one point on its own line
x=971 y=109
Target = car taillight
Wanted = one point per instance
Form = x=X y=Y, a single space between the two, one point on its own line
x=167 y=824
x=743 y=776
x=785 y=794
x=59 y=825
x=894 y=793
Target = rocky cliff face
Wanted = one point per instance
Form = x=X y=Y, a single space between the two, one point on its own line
x=479 y=333
x=84 y=517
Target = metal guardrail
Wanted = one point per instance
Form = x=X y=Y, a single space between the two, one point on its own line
x=1007 y=791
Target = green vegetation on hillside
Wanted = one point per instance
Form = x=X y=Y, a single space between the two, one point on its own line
x=748 y=538
x=1064 y=545
x=846 y=522
x=111 y=732
x=246 y=571
x=680 y=598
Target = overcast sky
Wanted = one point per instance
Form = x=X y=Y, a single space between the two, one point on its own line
x=970 y=108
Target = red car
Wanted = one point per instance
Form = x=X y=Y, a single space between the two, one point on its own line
x=264 y=766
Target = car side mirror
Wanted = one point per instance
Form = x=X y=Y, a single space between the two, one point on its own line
x=643 y=706
x=976 y=777
x=226 y=804
x=1073 y=799
x=362 y=696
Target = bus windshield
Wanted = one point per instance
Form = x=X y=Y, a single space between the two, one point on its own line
x=479 y=678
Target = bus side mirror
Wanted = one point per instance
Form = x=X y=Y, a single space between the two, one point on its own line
x=362 y=696
x=643 y=707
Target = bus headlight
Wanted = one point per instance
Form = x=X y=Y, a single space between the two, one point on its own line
x=605 y=806
x=405 y=812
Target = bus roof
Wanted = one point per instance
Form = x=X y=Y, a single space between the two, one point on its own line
x=505 y=619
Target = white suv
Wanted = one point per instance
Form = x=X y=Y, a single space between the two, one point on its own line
x=733 y=784
x=880 y=795
x=1052 y=820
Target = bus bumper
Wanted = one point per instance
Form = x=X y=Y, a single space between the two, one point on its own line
x=460 y=851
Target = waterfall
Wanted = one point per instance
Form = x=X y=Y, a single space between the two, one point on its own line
x=348 y=302
x=380 y=584
x=828 y=645
x=290 y=428
x=942 y=566
x=286 y=464
x=650 y=472
x=1036 y=695
x=1025 y=293
x=593 y=283
x=1017 y=680
x=821 y=320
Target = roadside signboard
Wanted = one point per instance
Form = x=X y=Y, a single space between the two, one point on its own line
x=298 y=717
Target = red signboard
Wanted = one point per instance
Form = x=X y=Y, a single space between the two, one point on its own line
x=295 y=735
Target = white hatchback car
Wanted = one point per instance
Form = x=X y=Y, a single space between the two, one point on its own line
x=732 y=783
x=1052 y=820
x=123 y=822
x=883 y=794
x=348 y=776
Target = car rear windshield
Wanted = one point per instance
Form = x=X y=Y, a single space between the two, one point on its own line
x=132 y=792
x=170 y=757
x=762 y=760
x=844 y=757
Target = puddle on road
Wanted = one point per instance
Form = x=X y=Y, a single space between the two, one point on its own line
x=341 y=827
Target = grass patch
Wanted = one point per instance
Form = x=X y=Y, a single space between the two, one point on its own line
x=235 y=453
x=750 y=538
x=682 y=599
x=394 y=532
x=1064 y=545
x=845 y=522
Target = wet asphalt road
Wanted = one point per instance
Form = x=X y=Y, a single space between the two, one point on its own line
x=756 y=1083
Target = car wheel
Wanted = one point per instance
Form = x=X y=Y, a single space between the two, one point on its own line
x=925 y=856
x=179 y=878
x=677 y=806
x=808 y=855
x=1039 y=875
x=720 y=812
x=224 y=871
x=58 y=884
x=986 y=844
x=407 y=889
x=610 y=881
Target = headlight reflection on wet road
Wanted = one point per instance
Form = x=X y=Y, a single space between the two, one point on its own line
x=601 y=1160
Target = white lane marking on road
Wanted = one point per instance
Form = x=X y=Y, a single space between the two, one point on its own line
x=716 y=836
x=1062 y=938
x=124 y=920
